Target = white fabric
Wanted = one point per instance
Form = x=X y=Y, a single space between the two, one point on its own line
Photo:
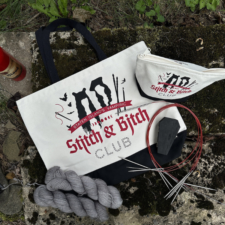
x=154 y=73
x=50 y=134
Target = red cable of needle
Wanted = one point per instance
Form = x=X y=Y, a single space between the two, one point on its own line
x=198 y=145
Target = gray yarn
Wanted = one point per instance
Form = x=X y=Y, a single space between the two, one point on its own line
x=108 y=196
x=69 y=203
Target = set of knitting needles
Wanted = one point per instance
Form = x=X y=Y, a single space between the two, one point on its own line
x=193 y=157
x=172 y=190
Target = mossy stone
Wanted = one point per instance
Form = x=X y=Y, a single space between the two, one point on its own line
x=150 y=199
x=36 y=169
x=34 y=218
x=174 y=43
x=195 y=223
x=114 y=212
x=218 y=181
x=218 y=146
x=52 y=216
x=205 y=205
x=12 y=218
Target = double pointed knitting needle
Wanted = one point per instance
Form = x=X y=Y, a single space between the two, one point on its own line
x=157 y=170
x=200 y=187
x=165 y=180
x=179 y=184
x=176 y=194
x=173 y=190
x=139 y=164
x=147 y=169
x=133 y=162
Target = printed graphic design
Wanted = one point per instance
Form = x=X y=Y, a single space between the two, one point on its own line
x=70 y=112
x=98 y=112
x=102 y=120
x=107 y=91
x=58 y=114
x=64 y=98
x=103 y=95
x=81 y=110
x=125 y=123
x=86 y=110
x=172 y=85
x=116 y=85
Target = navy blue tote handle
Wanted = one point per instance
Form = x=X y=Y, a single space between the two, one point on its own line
x=42 y=37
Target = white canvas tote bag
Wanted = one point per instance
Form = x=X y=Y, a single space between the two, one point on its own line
x=90 y=119
x=172 y=80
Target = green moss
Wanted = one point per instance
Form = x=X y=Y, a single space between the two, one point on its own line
x=12 y=218
x=114 y=212
x=219 y=180
x=34 y=219
x=36 y=169
x=205 y=205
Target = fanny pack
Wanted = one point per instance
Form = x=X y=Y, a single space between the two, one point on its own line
x=89 y=120
x=159 y=78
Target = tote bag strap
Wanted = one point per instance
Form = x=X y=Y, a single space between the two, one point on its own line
x=42 y=37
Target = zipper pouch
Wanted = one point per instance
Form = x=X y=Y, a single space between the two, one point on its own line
x=159 y=78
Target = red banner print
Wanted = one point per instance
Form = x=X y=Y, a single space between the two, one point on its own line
x=99 y=112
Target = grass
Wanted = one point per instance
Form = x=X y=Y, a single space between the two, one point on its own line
x=19 y=16
x=16 y=16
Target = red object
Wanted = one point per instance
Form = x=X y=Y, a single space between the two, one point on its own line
x=198 y=147
x=10 y=67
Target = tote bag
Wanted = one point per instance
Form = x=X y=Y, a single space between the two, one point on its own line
x=159 y=78
x=88 y=120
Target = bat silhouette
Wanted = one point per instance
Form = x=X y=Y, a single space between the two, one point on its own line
x=65 y=97
x=123 y=81
x=70 y=112
x=70 y=104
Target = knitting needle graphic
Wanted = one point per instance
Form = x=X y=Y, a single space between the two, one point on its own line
x=62 y=116
x=160 y=77
x=191 y=83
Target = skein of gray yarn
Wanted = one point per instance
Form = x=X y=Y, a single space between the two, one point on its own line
x=69 y=203
x=108 y=196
